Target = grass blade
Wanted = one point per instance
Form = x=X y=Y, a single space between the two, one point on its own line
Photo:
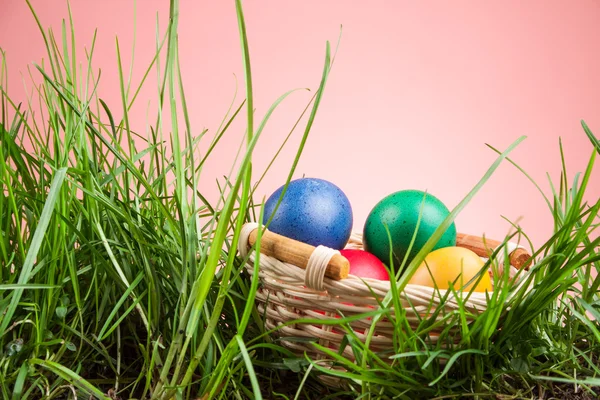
x=70 y=376
x=34 y=247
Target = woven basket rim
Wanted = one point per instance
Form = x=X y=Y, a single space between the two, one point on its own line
x=355 y=242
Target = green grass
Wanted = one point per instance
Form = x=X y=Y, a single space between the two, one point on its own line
x=120 y=279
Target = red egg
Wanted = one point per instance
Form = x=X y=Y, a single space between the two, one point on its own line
x=365 y=265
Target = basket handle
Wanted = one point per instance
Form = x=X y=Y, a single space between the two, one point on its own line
x=484 y=247
x=297 y=253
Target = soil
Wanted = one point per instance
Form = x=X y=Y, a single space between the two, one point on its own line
x=557 y=392
x=567 y=392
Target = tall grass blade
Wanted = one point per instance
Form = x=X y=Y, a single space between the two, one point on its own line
x=34 y=247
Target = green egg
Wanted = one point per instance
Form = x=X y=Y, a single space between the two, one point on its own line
x=400 y=213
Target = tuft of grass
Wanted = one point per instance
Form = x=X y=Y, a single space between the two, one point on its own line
x=119 y=279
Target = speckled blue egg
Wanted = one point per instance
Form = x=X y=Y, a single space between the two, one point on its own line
x=312 y=211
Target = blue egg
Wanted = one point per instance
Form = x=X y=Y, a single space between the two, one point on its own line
x=313 y=211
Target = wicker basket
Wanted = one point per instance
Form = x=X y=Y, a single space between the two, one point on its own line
x=288 y=292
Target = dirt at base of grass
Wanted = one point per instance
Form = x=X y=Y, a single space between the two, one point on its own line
x=552 y=392
x=567 y=392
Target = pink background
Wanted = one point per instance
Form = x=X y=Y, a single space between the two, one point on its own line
x=416 y=91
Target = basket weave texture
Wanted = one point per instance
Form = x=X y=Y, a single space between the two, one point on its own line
x=285 y=295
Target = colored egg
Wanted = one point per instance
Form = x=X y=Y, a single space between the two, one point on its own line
x=365 y=265
x=452 y=267
x=312 y=211
x=399 y=212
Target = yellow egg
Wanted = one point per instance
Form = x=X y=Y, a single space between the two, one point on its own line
x=451 y=264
